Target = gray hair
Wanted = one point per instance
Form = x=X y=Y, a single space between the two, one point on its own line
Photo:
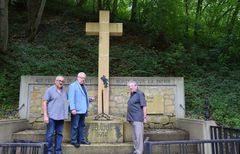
x=132 y=81
x=59 y=76
x=81 y=74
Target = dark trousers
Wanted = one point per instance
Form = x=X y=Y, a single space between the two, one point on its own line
x=77 y=128
x=57 y=127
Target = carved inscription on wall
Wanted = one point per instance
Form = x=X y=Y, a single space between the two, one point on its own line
x=160 y=99
x=101 y=132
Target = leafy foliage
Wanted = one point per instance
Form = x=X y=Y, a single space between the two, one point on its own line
x=168 y=39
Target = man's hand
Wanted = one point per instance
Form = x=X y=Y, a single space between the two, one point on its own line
x=74 y=112
x=91 y=99
x=45 y=115
x=45 y=119
x=145 y=120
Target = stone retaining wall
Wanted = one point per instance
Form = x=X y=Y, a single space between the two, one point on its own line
x=8 y=127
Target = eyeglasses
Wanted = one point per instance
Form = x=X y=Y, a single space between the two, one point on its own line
x=61 y=81
x=81 y=77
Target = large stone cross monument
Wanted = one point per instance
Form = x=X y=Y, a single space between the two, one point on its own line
x=104 y=29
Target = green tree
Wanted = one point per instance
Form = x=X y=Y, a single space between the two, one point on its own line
x=134 y=10
x=233 y=18
x=3 y=25
x=197 y=17
x=164 y=18
x=35 y=11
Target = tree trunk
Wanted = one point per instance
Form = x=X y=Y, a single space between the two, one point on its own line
x=114 y=9
x=197 y=17
x=233 y=19
x=35 y=11
x=79 y=3
x=3 y=25
x=187 y=16
x=94 y=6
x=134 y=10
x=100 y=5
x=107 y=4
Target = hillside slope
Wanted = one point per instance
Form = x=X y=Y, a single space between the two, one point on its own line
x=61 y=47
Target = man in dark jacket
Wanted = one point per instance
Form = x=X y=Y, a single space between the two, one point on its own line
x=137 y=115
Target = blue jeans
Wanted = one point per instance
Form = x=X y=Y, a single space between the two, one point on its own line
x=77 y=128
x=57 y=126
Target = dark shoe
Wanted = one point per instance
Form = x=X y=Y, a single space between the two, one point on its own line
x=76 y=145
x=85 y=142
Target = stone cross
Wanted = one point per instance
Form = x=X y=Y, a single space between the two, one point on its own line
x=104 y=29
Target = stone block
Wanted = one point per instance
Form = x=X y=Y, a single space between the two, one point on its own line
x=105 y=131
x=127 y=130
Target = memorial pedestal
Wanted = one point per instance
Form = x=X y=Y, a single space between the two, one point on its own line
x=99 y=131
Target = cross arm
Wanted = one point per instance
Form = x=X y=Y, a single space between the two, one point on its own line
x=115 y=29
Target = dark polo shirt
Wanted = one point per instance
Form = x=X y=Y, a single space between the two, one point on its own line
x=136 y=103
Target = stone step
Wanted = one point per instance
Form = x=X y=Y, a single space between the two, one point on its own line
x=108 y=148
x=117 y=131
x=166 y=134
x=119 y=148
x=98 y=148
x=153 y=135
x=174 y=149
x=30 y=135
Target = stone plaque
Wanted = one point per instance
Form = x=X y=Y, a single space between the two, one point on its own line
x=160 y=99
x=104 y=131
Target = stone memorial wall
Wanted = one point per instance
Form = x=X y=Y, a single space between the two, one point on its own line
x=164 y=95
